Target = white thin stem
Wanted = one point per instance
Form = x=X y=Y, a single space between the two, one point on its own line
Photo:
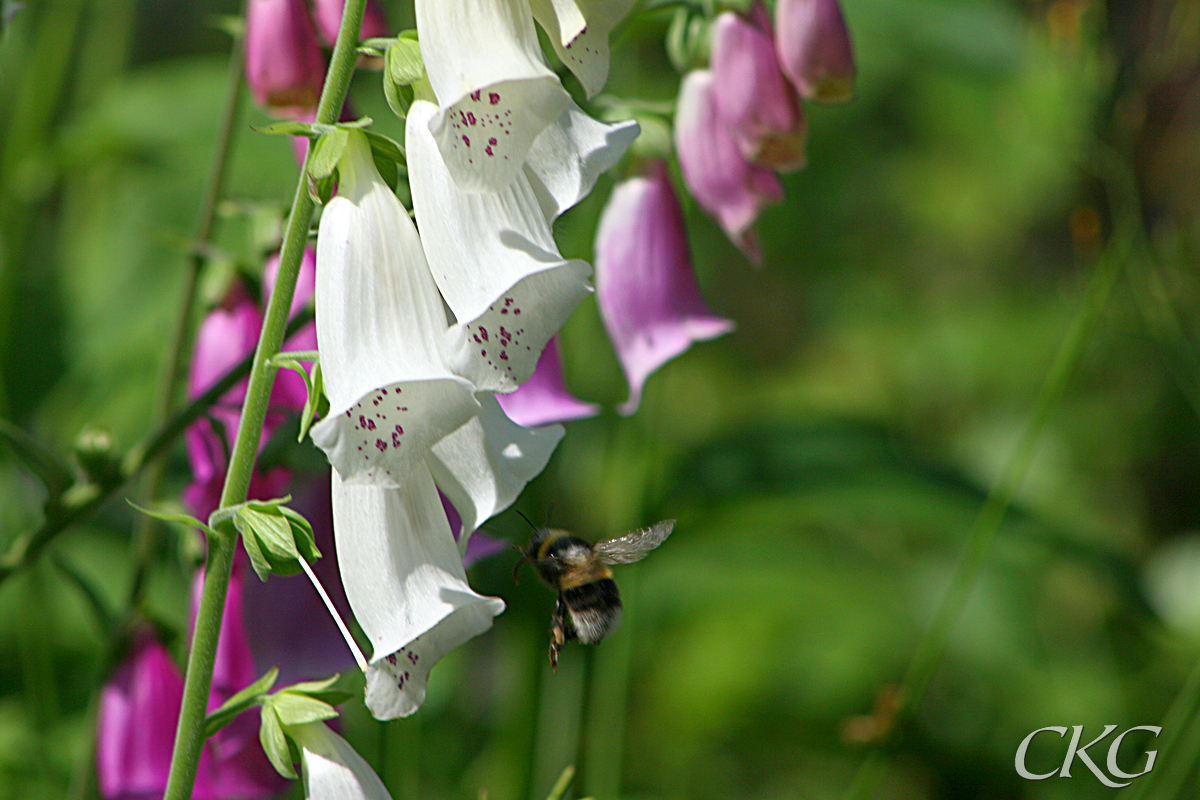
x=359 y=658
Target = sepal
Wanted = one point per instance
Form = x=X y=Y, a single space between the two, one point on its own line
x=275 y=536
x=243 y=700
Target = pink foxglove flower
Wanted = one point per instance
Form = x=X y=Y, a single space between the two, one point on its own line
x=544 y=399
x=814 y=49
x=644 y=281
x=328 y=14
x=495 y=93
x=284 y=64
x=717 y=174
x=578 y=30
x=752 y=95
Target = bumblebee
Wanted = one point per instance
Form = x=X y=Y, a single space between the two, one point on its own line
x=588 y=605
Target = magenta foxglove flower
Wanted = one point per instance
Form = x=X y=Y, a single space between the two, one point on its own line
x=544 y=399
x=328 y=14
x=718 y=175
x=752 y=95
x=814 y=49
x=644 y=281
x=284 y=64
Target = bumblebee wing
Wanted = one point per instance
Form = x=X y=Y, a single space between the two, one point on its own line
x=634 y=545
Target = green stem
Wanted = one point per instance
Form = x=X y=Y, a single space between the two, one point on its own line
x=189 y=738
x=987 y=523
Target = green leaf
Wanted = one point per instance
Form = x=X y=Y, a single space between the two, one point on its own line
x=312 y=405
x=258 y=560
x=273 y=531
x=404 y=63
x=327 y=152
x=239 y=702
x=358 y=124
x=286 y=358
x=302 y=534
x=383 y=146
x=274 y=742
x=292 y=708
x=312 y=687
x=379 y=43
x=178 y=519
x=399 y=98
x=562 y=784
x=309 y=129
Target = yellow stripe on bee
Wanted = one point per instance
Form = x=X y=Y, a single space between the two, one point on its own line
x=595 y=571
x=552 y=536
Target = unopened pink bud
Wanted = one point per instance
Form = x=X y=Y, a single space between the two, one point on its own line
x=284 y=64
x=751 y=93
x=722 y=180
x=814 y=49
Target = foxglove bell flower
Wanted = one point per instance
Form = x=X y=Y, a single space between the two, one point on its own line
x=284 y=64
x=404 y=578
x=544 y=398
x=814 y=49
x=495 y=93
x=645 y=285
x=720 y=178
x=507 y=312
x=579 y=29
x=328 y=14
x=381 y=330
x=752 y=95
x=331 y=769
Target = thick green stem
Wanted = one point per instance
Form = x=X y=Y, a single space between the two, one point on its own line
x=189 y=738
x=981 y=534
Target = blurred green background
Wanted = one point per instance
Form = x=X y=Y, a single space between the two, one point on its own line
x=824 y=461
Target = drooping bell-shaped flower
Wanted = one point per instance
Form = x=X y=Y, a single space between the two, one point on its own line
x=719 y=177
x=480 y=546
x=579 y=30
x=328 y=14
x=814 y=49
x=331 y=768
x=494 y=258
x=544 y=399
x=284 y=64
x=483 y=466
x=405 y=581
x=752 y=95
x=644 y=280
x=139 y=709
x=381 y=330
x=495 y=93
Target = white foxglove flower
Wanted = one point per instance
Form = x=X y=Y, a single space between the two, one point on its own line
x=331 y=769
x=405 y=581
x=567 y=158
x=494 y=258
x=380 y=331
x=495 y=93
x=579 y=31
x=483 y=466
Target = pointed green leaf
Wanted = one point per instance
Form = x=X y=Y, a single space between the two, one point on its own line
x=383 y=146
x=357 y=124
x=239 y=702
x=561 y=785
x=178 y=519
x=327 y=152
x=379 y=43
x=258 y=560
x=316 y=394
x=292 y=129
x=273 y=531
x=274 y=743
x=311 y=687
x=302 y=534
x=296 y=709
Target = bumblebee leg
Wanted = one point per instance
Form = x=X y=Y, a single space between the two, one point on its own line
x=557 y=633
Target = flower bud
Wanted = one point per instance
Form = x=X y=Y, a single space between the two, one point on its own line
x=752 y=95
x=814 y=49
x=284 y=64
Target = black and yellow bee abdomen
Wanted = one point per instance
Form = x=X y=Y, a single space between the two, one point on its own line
x=594 y=609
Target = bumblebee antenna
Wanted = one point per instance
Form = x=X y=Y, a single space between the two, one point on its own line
x=535 y=527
